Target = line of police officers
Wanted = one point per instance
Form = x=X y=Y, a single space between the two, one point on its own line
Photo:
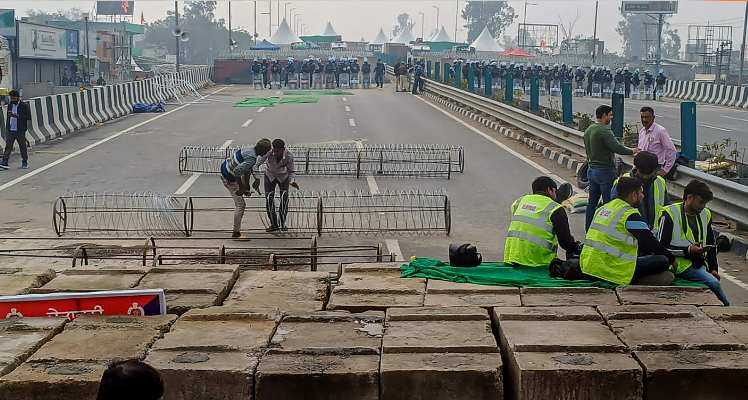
x=316 y=71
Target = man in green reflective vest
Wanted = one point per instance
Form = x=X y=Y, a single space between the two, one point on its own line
x=619 y=246
x=686 y=229
x=646 y=168
x=539 y=224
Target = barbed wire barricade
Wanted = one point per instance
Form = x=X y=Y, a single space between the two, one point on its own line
x=147 y=214
x=403 y=160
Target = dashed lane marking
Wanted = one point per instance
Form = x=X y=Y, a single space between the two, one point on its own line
x=188 y=183
x=246 y=124
x=352 y=122
x=347 y=109
x=373 y=187
x=733 y=279
x=261 y=109
x=53 y=164
x=716 y=127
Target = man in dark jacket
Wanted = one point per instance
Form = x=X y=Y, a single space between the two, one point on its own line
x=16 y=124
x=379 y=73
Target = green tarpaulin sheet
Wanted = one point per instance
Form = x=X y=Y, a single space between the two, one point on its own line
x=331 y=92
x=299 y=99
x=272 y=101
x=498 y=274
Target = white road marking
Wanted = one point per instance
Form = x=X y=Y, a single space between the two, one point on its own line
x=733 y=279
x=352 y=122
x=533 y=164
x=373 y=187
x=96 y=144
x=246 y=124
x=715 y=127
x=345 y=99
x=393 y=247
x=226 y=144
x=737 y=119
x=261 y=109
x=186 y=185
x=347 y=109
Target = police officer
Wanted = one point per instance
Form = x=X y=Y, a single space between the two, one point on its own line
x=619 y=246
x=256 y=71
x=366 y=74
x=590 y=78
x=236 y=172
x=418 y=72
x=379 y=73
x=539 y=224
x=330 y=76
x=635 y=82
x=627 y=81
x=355 y=69
x=648 y=83
x=660 y=82
x=265 y=72
x=618 y=80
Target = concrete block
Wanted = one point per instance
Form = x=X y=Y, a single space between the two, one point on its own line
x=104 y=339
x=650 y=311
x=380 y=283
x=89 y=280
x=330 y=333
x=20 y=338
x=21 y=282
x=460 y=376
x=573 y=313
x=434 y=286
x=286 y=291
x=189 y=287
x=568 y=297
x=388 y=267
x=674 y=334
x=319 y=377
x=53 y=380
x=342 y=299
x=733 y=319
x=486 y=300
x=558 y=336
x=578 y=376
x=438 y=337
x=695 y=374
x=437 y=314
x=675 y=295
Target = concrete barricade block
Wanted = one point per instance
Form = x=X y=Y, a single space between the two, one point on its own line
x=19 y=281
x=439 y=337
x=89 y=280
x=558 y=336
x=568 y=297
x=285 y=291
x=695 y=374
x=437 y=314
x=221 y=364
x=189 y=287
x=53 y=380
x=20 y=338
x=674 y=295
x=733 y=319
x=330 y=333
x=342 y=299
x=573 y=313
x=388 y=267
x=431 y=376
x=319 y=377
x=452 y=294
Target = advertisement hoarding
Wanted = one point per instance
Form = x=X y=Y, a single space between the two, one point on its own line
x=7 y=22
x=650 y=7
x=41 y=41
x=72 y=43
x=117 y=7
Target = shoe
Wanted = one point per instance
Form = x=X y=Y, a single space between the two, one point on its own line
x=236 y=234
x=271 y=228
x=284 y=228
x=24 y=165
x=3 y=166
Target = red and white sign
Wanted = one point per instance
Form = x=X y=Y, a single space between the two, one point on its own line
x=71 y=305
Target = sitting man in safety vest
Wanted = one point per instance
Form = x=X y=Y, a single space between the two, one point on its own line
x=646 y=168
x=686 y=229
x=539 y=224
x=619 y=246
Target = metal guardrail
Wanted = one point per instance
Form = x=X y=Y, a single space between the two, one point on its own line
x=730 y=198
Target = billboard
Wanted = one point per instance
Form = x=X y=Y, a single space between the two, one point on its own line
x=41 y=41
x=7 y=22
x=72 y=43
x=650 y=7
x=117 y=7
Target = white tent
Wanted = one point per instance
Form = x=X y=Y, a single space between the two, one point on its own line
x=441 y=36
x=381 y=37
x=284 y=36
x=486 y=42
x=405 y=37
x=329 y=31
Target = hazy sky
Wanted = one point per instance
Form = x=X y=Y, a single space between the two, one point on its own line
x=362 y=18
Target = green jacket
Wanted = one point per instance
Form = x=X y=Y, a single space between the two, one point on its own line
x=601 y=145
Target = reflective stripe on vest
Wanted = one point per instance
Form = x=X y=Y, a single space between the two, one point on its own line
x=610 y=251
x=683 y=235
x=530 y=240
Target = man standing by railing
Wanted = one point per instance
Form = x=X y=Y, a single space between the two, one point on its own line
x=16 y=125
x=654 y=138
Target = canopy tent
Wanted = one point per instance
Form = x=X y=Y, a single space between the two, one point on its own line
x=284 y=36
x=329 y=31
x=405 y=37
x=516 y=53
x=135 y=67
x=441 y=36
x=264 y=45
x=486 y=42
x=381 y=37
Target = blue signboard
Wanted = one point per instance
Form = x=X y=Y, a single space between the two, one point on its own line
x=72 y=43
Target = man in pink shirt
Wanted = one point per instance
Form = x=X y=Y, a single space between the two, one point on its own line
x=654 y=138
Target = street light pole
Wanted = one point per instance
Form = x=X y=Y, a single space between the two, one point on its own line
x=437 y=17
x=594 y=35
x=742 y=46
x=422 y=19
x=176 y=28
x=457 y=12
x=87 y=65
x=285 y=9
x=270 y=17
x=255 y=29
x=231 y=41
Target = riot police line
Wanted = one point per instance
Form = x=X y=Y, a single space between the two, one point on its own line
x=593 y=81
x=314 y=73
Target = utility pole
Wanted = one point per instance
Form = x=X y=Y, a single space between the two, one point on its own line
x=270 y=17
x=231 y=41
x=87 y=65
x=742 y=47
x=422 y=19
x=285 y=10
x=457 y=12
x=255 y=33
x=178 y=38
x=594 y=35
x=437 y=17
x=660 y=20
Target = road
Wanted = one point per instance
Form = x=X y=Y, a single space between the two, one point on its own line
x=714 y=123
x=139 y=153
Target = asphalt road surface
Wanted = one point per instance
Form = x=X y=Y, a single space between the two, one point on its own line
x=139 y=153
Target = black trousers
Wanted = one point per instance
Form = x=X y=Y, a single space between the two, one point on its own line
x=12 y=137
x=278 y=219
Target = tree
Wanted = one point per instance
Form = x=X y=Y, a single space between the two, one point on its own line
x=42 y=17
x=634 y=28
x=403 y=23
x=671 y=44
x=508 y=42
x=496 y=15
